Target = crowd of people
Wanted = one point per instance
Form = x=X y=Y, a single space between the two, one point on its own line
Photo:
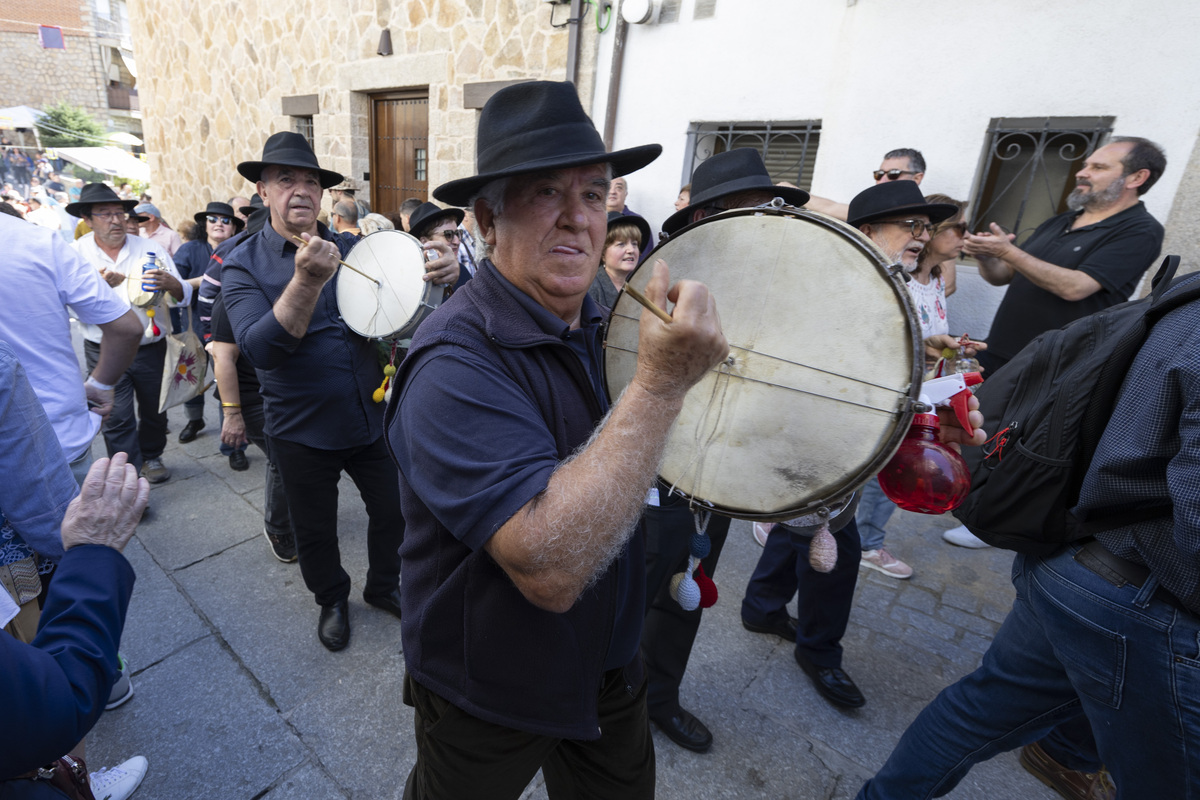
x=517 y=528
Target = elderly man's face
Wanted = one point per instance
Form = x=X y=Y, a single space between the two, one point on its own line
x=108 y=221
x=294 y=196
x=238 y=203
x=898 y=241
x=618 y=190
x=550 y=236
x=900 y=165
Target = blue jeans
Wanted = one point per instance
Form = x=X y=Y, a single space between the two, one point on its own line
x=1127 y=657
x=874 y=511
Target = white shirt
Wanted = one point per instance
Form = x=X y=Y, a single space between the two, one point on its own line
x=41 y=274
x=129 y=262
x=44 y=216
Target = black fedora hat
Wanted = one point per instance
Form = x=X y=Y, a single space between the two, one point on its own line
x=535 y=126
x=223 y=209
x=893 y=198
x=427 y=213
x=94 y=194
x=727 y=173
x=255 y=204
x=288 y=149
x=616 y=217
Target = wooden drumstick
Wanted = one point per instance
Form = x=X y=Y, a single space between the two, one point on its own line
x=344 y=264
x=647 y=303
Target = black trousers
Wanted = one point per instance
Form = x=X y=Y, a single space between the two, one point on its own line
x=145 y=438
x=823 y=599
x=668 y=631
x=461 y=756
x=310 y=480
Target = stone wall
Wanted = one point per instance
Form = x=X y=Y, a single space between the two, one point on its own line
x=35 y=77
x=1183 y=224
x=212 y=78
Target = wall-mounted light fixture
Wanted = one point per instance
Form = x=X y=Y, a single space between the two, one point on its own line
x=385 y=42
x=641 y=12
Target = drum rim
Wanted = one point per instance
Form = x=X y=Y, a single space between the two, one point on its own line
x=904 y=415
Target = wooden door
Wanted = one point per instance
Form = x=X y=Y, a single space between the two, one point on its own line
x=399 y=148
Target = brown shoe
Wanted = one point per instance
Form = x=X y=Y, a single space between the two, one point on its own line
x=1069 y=783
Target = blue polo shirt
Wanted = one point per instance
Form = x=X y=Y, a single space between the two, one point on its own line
x=317 y=388
x=474 y=477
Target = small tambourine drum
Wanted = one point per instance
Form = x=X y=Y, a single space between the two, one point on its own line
x=138 y=296
x=824 y=364
x=394 y=299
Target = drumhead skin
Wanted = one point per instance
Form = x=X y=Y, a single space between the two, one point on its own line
x=135 y=293
x=825 y=359
x=394 y=307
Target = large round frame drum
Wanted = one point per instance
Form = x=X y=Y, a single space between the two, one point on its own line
x=824 y=366
x=395 y=298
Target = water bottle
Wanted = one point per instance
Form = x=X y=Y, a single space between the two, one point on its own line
x=151 y=263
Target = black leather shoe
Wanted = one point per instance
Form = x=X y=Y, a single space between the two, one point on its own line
x=783 y=626
x=333 y=629
x=389 y=602
x=189 y=432
x=833 y=684
x=684 y=730
x=238 y=461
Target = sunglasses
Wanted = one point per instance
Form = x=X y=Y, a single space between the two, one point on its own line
x=450 y=234
x=221 y=218
x=917 y=226
x=892 y=174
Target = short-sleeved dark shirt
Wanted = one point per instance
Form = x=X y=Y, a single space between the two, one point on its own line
x=1115 y=251
x=317 y=390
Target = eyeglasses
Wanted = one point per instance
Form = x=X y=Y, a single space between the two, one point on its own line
x=450 y=234
x=892 y=174
x=109 y=214
x=917 y=226
x=212 y=219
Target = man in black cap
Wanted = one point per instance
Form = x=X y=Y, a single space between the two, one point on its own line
x=318 y=378
x=523 y=588
x=734 y=179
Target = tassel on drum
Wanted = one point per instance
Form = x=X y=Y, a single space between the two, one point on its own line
x=822 y=551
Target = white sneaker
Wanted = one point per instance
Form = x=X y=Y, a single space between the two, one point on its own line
x=882 y=561
x=122 y=690
x=964 y=538
x=761 y=529
x=120 y=781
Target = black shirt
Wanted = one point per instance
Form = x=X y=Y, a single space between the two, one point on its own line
x=247 y=378
x=1115 y=251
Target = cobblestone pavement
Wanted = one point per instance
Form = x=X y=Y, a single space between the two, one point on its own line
x=236 y=699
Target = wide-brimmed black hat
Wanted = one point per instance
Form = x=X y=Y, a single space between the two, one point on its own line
x=616 y=217
x=287 y=149
x=255 y=204
x=893 y=198
x=431 y=212
x=225 y=210
x=727 y=173
x=536 y=126
x=94 y=194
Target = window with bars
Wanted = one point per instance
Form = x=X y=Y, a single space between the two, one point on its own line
x=1028 y=169
x=789 y=149
x=304 y=127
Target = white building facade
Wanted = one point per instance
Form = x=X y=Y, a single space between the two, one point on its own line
x=1001 y=96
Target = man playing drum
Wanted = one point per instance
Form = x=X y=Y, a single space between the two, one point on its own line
x=317 y=379
x=523 y=574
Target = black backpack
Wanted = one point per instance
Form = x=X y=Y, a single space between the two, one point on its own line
x=1049 y=406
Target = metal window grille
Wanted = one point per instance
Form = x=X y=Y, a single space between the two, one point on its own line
x=789 y=149
x=304 y=127
x=1028 y=169
x=421 y=164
